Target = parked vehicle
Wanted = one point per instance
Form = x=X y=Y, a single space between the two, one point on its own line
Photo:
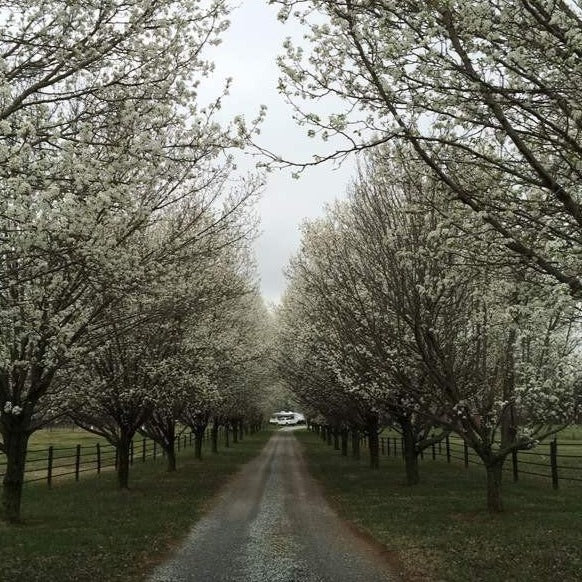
x=284 y=418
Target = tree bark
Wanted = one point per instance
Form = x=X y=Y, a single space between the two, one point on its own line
x=329 y=435
x=123 y=446
x=494 y=475
x=356 y=444
x=198 y=438
x=170 y=449
x=344 y=435
x=169 y=445
x=373 y=442
x=226 y=436
x=410 y=452
x=214 y=437
x=15 y=443
x=234 y=433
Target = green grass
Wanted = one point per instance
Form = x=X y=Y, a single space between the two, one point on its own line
x=63 y=437
x=440 y=530
x=91 y=531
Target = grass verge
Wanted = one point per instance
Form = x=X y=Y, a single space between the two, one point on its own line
x=440 y=529
x=91 y=531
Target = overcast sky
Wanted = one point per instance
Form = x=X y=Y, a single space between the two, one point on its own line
x=247 y=54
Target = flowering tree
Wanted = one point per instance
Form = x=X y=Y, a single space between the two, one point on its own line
x=487 y=94
x=204 y=281
x=363 y=337
x=137 y=377
x=303 y=366
x=494 y=345
x=323 y=354
x=99 y=133
x=244 y=370
x=404 y=312
x=211 y=354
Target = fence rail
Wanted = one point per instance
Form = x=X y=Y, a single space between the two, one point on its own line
x=554 y=460
x=54 y=462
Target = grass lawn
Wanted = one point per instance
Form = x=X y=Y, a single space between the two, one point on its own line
x=440 y=529
x=91 y=531
x=63 y=437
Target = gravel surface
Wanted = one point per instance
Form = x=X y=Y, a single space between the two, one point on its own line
x=271 y=524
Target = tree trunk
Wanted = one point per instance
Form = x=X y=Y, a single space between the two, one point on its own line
x=410 y=453
x=336 y=440
x=373 y=445
x=373 y=442
x=344 y=435
x=356 y=444
x=329 y=435
x=198 y=437
x=169 y=445
x=241 y=430
x=234 y=433
x=170 y=450
x=494 y=474
x=15 y=444
x=123 y=447
x=214 y=438
x=226 y=436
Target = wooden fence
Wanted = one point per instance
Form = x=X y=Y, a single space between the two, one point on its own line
x=554 y=460
x=49 y=463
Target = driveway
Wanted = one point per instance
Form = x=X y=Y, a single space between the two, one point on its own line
x=272 y=524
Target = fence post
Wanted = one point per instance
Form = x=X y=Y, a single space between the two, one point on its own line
x=382 y=445
x=402 y=446
x=131 y=453
x=155 y=450
x=116 y=457
x=554 y=462
x=49 y=469
x=448 y=443
x=514 y=465
x=433 y=452
x=143 y=451
x=466 y=454
x=98 y=448
x=394 y=446
x=77 y=462
x=185 y=441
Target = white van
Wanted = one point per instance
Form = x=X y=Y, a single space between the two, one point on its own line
x=287 y=418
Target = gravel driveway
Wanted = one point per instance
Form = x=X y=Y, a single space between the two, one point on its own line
x=271 y=524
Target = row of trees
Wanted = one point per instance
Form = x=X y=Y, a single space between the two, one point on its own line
x=446 y=289
x=395 y=317
x=126 y=295
x=187 y=352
